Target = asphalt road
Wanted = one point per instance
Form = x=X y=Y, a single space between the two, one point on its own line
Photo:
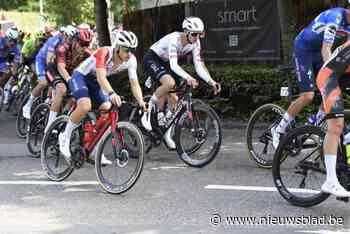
x=169 y=197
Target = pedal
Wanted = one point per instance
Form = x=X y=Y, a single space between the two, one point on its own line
x=343 y=199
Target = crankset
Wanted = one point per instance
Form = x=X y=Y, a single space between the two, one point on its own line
x=78 y=157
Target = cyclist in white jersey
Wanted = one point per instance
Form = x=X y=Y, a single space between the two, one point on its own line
x=89 y=82
x=161 y=64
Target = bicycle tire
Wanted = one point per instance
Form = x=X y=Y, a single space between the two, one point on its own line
x=21 y=122
x=262 y=160
x=36 y=128
x=281 y=157
x=99 y=168
x=188 y=156
x=50 y=139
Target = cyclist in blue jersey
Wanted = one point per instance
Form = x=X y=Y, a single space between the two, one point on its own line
x=9 y=47
x=43 y=61
x=312 y=47
x=9 y=59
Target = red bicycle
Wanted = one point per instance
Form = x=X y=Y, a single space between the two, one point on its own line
x=121 y=143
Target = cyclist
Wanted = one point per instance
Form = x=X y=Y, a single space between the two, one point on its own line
x=161 y=64
x=31 y=47
x=9 y=50
x=69 y=55
x=327 y=83
x=312 y=47
x=89 y=84
x=45 y=56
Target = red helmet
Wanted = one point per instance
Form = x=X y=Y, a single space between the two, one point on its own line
x=84 y=36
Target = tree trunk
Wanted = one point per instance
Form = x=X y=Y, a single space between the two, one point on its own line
x=126 y=12
x=101 y=17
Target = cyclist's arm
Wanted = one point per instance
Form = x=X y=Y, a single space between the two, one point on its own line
x=332 y=26
x=50 y=58
x=61 y=63
x=101 y=70
x=134 y=82
x=199 y=65
x=174 y=66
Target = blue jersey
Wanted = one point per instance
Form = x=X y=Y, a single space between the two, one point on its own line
x=6 y=51
x=50 y=46
x=322 y=29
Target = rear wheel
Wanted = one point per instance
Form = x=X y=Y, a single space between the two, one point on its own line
x=198 y=137
x=258 y=133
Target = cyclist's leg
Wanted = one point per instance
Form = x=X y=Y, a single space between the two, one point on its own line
x=40 y=67
x=100 y=100
x=327 y=83
x=303 y=63
x=80 y=91
x=60 y=89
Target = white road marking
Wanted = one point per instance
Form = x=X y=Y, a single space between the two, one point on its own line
x=168 y=167
x=40 y=182
x=325 y=231
x=256 y=188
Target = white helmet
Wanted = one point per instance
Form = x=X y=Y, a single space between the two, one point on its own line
x=69 y=31
x=12 y=33
x=193 y=24
x=124 y=38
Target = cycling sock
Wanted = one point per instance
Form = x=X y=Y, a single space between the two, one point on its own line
x=286 y=120
x=331 y=162
x=52 y=117
x=30 y=100
x=70 y=128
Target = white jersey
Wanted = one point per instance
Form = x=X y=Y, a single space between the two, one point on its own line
x=169 y=48
x=103 y=58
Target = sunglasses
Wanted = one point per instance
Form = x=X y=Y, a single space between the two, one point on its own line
x=126 y=49
x=197 y=34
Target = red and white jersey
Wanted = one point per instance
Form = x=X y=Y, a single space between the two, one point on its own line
x=103 y=58
x=169 y=48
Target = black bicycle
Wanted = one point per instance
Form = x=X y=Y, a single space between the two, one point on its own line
x=298 y=166
x=197 y=129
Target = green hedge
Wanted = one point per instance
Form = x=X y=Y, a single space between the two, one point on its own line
x=244 y=88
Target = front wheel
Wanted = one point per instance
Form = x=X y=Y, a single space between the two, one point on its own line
x=198 y=135
x=52 y=160
x=127 y=165
x=21 y=122
x=258 y=133
x=36 y=129
x=1 y=98
x=298 y=167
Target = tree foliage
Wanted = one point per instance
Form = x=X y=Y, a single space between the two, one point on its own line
x=70 y=11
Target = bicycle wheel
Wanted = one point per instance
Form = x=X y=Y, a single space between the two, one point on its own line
x=198 y=141
x=298 y=167
x=52 y=161
x=125 y=170
x=21 y=122
x=36 y=129
x=258 y=133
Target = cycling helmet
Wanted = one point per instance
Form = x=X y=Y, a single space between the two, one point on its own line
x=48 y=30
x=193 y=25
x=12 y=34
x=69 y=31
x=84 y=26
x=39 y=34
x=124 y=38
x=84 y=36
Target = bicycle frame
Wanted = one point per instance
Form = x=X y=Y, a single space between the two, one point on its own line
x=112 y=121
